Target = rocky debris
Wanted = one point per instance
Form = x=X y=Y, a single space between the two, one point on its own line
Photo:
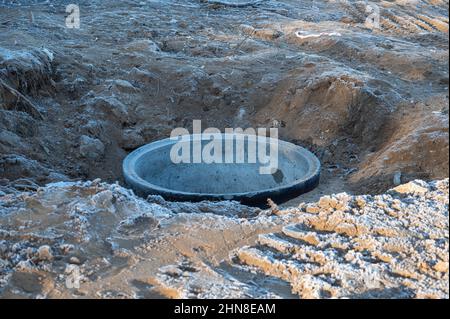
x=103 y=230
x=132 y=139
x=74 y=260
x=142 y=78
x=121 y=86
x=91 y=148
x=20 y=173
x=77 y=233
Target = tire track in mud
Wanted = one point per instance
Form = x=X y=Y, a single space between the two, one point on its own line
x=400 y=19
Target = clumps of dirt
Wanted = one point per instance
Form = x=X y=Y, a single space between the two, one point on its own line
x=20 y=169
x=393 y=245
x=39 y=238
x=94 y=239
x=27 y=71
x=24 y=75
x=92 y=226
x=21 y=73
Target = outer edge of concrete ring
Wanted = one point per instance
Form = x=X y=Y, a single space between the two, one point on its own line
x=255 y=198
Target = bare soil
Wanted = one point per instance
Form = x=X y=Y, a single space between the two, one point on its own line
x=372 y=104
x=96 y=240
x=369 y=103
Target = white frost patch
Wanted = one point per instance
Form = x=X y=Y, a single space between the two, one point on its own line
x=308 y=35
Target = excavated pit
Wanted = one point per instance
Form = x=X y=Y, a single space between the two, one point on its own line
x=372 y=115
x=365 y=134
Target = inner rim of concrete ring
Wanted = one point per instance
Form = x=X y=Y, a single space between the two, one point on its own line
x=301 y=183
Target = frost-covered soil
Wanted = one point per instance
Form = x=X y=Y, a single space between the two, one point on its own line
x=116 y=245
x=372 y=104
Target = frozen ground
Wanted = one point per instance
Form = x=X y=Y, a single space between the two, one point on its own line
x=93 y=239
x=371 y=103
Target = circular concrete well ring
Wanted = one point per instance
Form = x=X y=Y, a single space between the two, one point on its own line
x=149 y=170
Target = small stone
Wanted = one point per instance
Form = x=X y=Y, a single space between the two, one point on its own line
x=340 y=206
x=142 y=76
x=131 y=139
x=383 y=256
x=396 y=204
x=381 y=204
x=312 y=209
x=346 y=229
x=326 y=202
x=74 y=260
x=103 y=199
x=145 y=45
x=311 y=238
x=124 y=86
x=391 y=212
x=441 y=266
x=91 y=148
x=109 y=105
x=397 y=178
x=45 y=253
x=413 y=188
x=360 y=201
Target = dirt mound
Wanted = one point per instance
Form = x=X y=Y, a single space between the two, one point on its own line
x=362 y=247
x=98 y=240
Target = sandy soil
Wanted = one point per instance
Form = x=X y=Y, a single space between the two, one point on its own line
x=372 y=104
x=96 y=240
